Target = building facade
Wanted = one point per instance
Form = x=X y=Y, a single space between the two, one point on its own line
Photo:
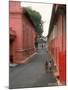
x=57 y=40
x=22 y=34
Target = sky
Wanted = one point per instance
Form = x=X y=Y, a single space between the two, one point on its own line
x=45 y=10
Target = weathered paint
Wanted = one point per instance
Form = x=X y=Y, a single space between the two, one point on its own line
x=57 y=46
x=23 y=45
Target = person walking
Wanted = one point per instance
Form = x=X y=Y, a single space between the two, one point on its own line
x=46 y=66
x=42 y=45
x=50 y=66
x=36 y=45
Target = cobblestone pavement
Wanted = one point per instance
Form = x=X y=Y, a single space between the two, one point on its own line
x=32 y=74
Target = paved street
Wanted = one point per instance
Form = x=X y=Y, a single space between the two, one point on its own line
x=32 y=74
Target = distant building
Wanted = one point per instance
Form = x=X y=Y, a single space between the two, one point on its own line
x=57 y=40
x=44 y=41
x=44 y=38
x=22 y=34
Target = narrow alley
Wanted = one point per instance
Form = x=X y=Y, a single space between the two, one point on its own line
x=37 y=45
x=32 y=74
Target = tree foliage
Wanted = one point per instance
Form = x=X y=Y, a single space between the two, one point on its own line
x=36 y=18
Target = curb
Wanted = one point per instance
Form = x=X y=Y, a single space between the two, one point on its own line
x=24 y=61
x=12 y=65
x=27 y=59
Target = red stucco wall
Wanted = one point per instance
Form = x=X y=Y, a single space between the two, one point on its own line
x=57 y=47
x=25 y=33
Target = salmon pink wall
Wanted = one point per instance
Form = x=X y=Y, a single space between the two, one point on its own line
x=57 y=47
x=25 y=32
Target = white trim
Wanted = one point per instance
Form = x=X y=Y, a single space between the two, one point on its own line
x=12 y=65
x=27 y=59
x=21 y=50
x=24 y=61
